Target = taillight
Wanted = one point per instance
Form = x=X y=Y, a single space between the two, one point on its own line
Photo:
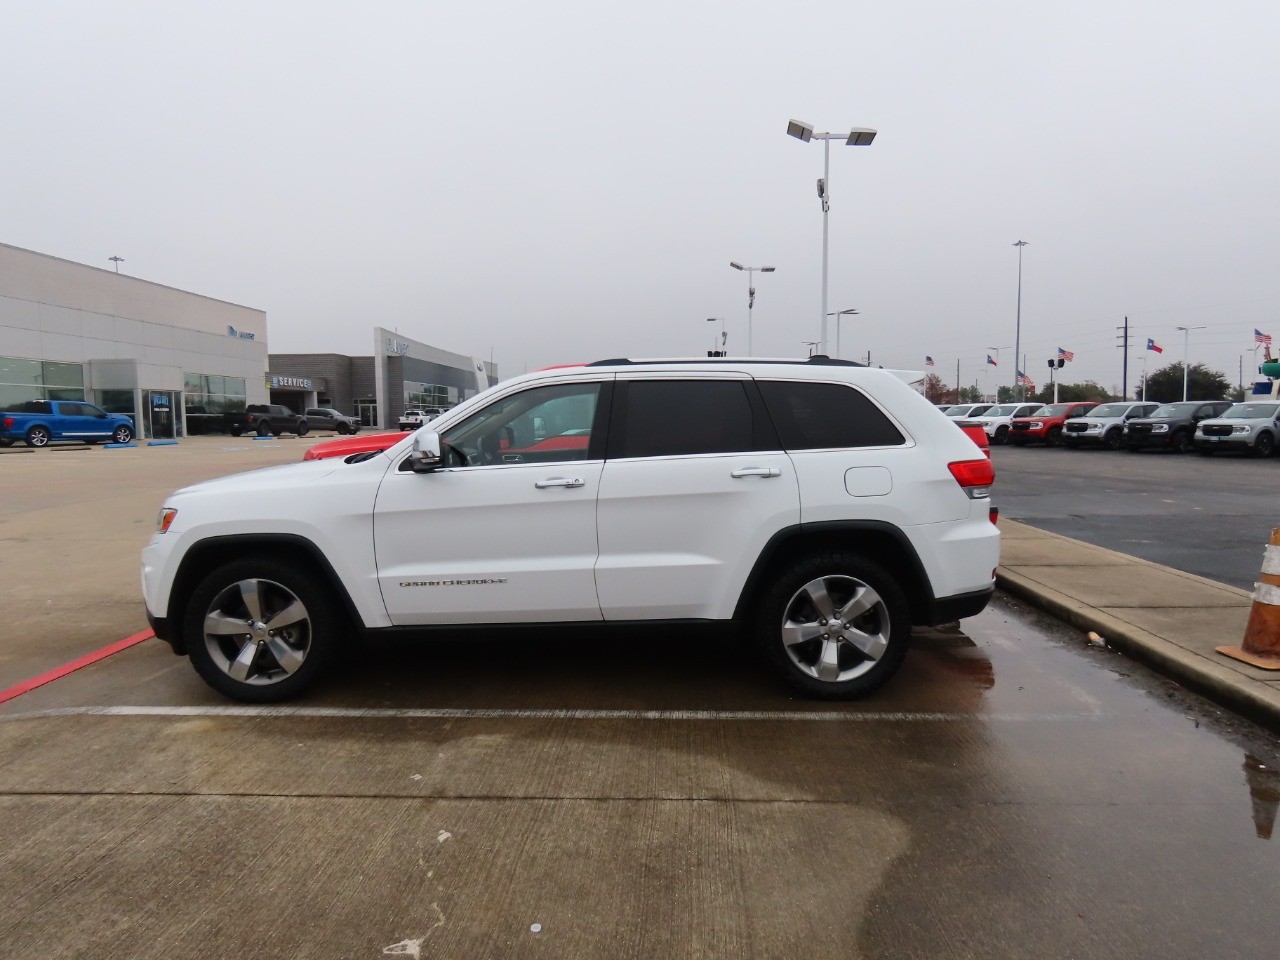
x=8 y=422
x=994 y=514
x=974 y=476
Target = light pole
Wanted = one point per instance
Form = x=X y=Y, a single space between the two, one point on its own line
x=118 y=261
x=838 y=314
x=856 y=137
x=1017 y=336
x=1186 y=339
x=724 y=337
x=751 y=296
x=810 y=344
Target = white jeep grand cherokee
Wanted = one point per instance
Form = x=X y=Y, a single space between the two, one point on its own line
x=822 y=506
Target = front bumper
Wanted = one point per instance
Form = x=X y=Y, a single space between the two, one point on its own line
x=1223 y=443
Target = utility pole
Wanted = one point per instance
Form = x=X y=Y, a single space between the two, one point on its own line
x=957 y=379
x=1124 y=369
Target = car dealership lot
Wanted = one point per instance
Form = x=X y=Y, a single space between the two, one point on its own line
x=634 y=796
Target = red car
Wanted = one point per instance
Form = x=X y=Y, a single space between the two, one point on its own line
x=977 y=433
x=368 y=443
x=1045 y=425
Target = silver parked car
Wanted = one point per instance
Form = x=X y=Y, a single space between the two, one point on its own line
x=1104 y=425
x=1251 y=426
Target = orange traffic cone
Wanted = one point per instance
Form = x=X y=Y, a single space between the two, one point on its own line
x=1261 y=646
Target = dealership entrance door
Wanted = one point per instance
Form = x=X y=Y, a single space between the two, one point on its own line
x=367 y=411
x=161 y=422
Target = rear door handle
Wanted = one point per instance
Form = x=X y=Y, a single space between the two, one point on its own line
x=756 y=472
x=560 y=482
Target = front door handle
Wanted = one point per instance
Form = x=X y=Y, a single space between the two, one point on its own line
x=560 y=482
x=756 y=472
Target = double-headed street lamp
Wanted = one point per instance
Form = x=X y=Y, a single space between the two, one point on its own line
x=724 y=338
x=857 y=137
x=751 y=295
x=838 y=314
x=1186 y=335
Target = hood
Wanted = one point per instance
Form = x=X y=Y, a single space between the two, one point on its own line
x=267 y=478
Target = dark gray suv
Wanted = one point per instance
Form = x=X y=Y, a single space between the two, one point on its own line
x=1171 y=426
x=327 y=418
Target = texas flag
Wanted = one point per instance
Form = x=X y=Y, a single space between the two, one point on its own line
x=928 y=361
x=992 y=362
x=1152 y=345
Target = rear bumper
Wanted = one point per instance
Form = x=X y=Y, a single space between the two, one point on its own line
x=950 y=609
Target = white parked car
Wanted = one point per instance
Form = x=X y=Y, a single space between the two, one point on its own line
x=414 y=417
x=1252 y=426
x=996 y=420
x=1103 y=426
x=822 y=507
x=967 y=411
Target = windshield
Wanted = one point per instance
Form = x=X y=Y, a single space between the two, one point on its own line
x=959 y=411
x=1109 y=410
x=1004 y=410
x=1251 y=411
x=1052 y=410
x=1172 y=411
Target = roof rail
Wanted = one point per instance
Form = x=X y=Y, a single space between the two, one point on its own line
x=818 y=360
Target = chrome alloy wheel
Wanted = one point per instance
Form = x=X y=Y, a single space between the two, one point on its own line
x=835 y=628
x=257 y=632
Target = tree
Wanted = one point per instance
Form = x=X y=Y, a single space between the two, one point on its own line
x=970 y=395
x=1165 y=385
x=1073 y=392
x=935 y=391
x=1005 y=395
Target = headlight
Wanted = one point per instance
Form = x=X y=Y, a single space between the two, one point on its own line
x=1092 y=427
x=165 y=520
x=1160 y=428
x=1037 y=425
x=1242 y=428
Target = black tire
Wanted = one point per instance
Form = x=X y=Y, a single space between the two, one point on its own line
x=236 y=431
x=121 y=434
x=303 y=428
x=1054 y=437
x=787 y=613
x=1018 y=443
x=343 y=429
x=38 y=436
x=1181 y=442
x=1112 y=438
x=6 y=442
x=1264 y=446
x=1133 y=449
x=281 y=662
x=264 y=428
x=1002 y=435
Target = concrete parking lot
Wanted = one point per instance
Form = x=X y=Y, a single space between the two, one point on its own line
x=1014 y=792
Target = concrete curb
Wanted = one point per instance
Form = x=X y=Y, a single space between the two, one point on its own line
x=1218 y=681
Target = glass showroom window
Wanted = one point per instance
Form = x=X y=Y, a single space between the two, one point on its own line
x=22 y=380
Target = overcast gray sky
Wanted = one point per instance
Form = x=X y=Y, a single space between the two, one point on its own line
x=560 y=181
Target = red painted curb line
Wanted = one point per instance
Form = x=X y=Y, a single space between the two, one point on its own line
x=58 y=673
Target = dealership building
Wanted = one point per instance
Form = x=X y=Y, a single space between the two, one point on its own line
x=176 y=361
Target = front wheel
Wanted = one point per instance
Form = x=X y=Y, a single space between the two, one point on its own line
x=1054 y=437
x=343 y=429
x=1263 y=446
x=1002 y=435
x=833 y=626
x=1112 y=439
x=260 y=630
x=121 y=434
x=303 y=428
x=264 y=428
x=38 y=437
x=1181 y=442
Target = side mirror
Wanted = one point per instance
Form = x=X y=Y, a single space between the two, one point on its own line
x=426 y=452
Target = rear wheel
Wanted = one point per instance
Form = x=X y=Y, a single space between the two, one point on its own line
x=6 y=442
x=235 y=431
x=260 y=630
x=38 y=437
x=1134 y=449
x=833 y=626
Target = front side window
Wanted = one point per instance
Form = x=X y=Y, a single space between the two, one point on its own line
x=542 y=425
x=672 y=418
x=823 y=416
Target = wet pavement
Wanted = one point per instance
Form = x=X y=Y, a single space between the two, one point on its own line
x=1013 y=792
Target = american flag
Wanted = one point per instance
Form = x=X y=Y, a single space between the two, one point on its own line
x=1025 y=380
x=1262 y=338
x=1152 y=345
x=990 y=361
x=928 y=361
x=1066 y=355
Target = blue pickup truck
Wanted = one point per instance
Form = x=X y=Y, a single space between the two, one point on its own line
x=37 y=422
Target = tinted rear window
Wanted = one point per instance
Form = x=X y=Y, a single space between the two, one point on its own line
x=820 y=416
